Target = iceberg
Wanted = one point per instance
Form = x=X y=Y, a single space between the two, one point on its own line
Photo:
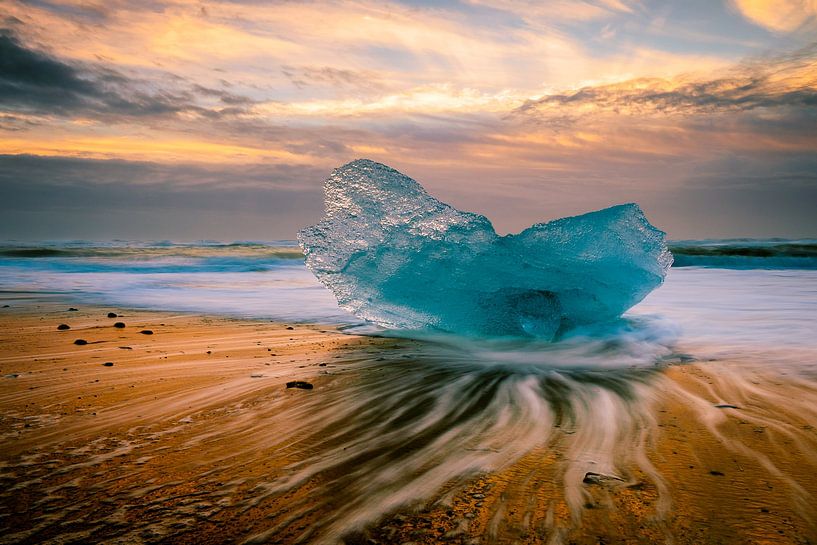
x=394 y=255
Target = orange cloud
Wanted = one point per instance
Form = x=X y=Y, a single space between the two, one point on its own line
x=135 y=148
x=779 y=15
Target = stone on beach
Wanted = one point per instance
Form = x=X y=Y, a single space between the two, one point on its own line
x=303 y=385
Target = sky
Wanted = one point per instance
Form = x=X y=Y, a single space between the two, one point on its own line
x=191 y=120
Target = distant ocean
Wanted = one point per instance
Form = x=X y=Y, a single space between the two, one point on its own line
x=724 y=297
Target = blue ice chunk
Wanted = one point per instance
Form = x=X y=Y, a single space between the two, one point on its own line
x=394 y=255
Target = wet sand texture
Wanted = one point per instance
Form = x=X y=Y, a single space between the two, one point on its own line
x=192 y=436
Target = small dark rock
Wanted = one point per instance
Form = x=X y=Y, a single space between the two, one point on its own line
x=598 y=478
x=108 y=364
x=726 y=406
x=290 y=327
x=146 y=332
x=321 y=365
x=126 y=348
x=716 y=473
x=120 y=325
x=300 y=384
x=72 y=309
x=80 y=342
x=63 y=327
x=5 y=306
x=112 y=315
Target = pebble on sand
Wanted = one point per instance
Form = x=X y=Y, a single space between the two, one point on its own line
x=63 y=327
x=303 y=385
x=80 y=342
x=72 y=309
x=592 y=477
x=112 y=315
x=146 y=332
x=120 y=325
x=108 y=364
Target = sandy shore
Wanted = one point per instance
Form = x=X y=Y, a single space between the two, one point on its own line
x=192 y=436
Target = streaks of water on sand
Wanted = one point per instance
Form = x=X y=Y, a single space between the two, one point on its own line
x=391 y=431
x=784 y=415
x=398 y=434
x=402 y=425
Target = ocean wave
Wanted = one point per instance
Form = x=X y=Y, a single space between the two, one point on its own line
x=745 y=254
x=280 y=250
x=725 y=254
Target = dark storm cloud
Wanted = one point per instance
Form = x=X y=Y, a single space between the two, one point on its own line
x=786 y=81
x=32 y=81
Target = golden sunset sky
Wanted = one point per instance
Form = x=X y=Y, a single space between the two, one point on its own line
x=220 y=119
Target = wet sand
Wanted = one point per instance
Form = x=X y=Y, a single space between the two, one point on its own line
x=192 y=436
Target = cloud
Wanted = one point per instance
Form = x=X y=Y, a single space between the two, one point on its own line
x=508 y=107
x=787 y=81
x=305 y=76
x=223 y=96
x=779 y=15
x=50 y=197
x=427 y=99
x=561 y=10
x=53 y=171
x=29 y=78
x=33 y=81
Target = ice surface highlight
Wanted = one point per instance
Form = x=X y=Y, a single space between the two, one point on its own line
x=394 y=255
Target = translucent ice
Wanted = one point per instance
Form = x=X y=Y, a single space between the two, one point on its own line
x=394 y=255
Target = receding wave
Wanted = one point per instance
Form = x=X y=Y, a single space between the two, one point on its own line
x=746 y=254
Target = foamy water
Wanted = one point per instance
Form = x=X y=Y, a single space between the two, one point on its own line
x=409 y=422
x=759 y=307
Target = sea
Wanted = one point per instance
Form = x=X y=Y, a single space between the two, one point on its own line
x=725 y=298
